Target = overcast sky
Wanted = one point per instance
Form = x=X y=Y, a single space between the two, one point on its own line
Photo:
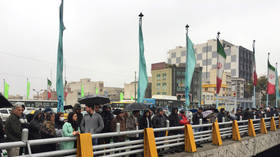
x=101 y=36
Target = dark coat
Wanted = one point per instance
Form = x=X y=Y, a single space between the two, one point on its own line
x=1 y=131
x=159 y=121
x=122 y=122
x=174 y=121
x=196 y=118
x=13 y=128
x=48 y=131
x=107 y=119
x=143 y=122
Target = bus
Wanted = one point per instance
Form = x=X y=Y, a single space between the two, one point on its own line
x=36 y=103
x=167 y=101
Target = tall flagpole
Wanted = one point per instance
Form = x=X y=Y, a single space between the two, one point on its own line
x=217 y=101
x=267 y=82
x=254 y=100
x=276 y=88
x=187 y=101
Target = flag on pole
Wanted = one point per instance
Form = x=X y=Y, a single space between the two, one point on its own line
x=121 y=96
x=142 y=78
x=96 y=90
x=131 y=98
x=28 y=89
x=59 y=72
x=190 y=66
x=254 y=76
x=221 y=59
x=49 y=88
x=82 y=91
x=6 y=90
x=271 y=79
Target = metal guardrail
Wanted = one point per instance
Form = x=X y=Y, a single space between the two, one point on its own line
x=202 y=134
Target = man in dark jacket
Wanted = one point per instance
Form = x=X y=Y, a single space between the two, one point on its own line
x=174 y=121
x=159 y=121
x=13 y=129
x=34 y=132
x=107 y=117
x=198 y=115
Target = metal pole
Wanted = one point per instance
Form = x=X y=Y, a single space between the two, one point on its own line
x=187 y=101
x=118 y=129
x=24 y=138
x=254 y=98
x=135 y=88
x=276 y=88
x=217 y=101
x=267 y=82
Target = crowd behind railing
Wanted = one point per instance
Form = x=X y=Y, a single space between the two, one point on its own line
x=46 y=124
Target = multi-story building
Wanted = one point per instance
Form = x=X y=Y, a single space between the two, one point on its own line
x=209 y=88
x=113 y=93
x=130 y=90
x=238 y=61
x=238 y=85
x=169 y=80
x=90 y=87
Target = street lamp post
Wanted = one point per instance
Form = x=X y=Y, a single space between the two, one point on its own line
x=37 y=91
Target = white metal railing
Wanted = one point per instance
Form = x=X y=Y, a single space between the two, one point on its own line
x=202 y=133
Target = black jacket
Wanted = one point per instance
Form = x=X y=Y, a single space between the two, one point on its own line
x=1 y=131
x=196 y=118
x=143 y=122
x=107 y=119
x=13 y=128
x=159 y=121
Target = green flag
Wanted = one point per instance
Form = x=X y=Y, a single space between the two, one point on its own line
x=6 y=90
x=82 y=91
x=121 y=96
x=96 y=90
x=142 y=78
x=28 y=90
x=131 y=98
x=190 y=66
x=59 y=71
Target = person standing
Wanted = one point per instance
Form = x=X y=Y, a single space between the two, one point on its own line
x=197 y=116
x=174 y=121
x=107 y=119
x=92 y=121
x=159 y=121
x=132 y=123
x=70 y=129
x=120 y=118
x=34 y=132
x=13 y=129
x=48 y=131
x=78 y=110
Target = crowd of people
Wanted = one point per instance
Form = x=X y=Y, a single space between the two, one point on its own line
x=47 y=124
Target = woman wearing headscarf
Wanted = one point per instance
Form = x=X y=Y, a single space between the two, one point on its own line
x=70 y=129
x=34 y=132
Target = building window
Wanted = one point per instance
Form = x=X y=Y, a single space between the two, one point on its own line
x=199 y=56
x=203 y=62
x=227 y=66
x=207 y=97
x=169 y=61
x=173 y=55
x=158 y=86
x=164 y=93
x=158 y=77
x=233 y=72
x=214 y=54
x=203 y=97
x=178 y=60
x=164 y=86
x=164 y=76
x=183 y=53
x=158 y=93
x=233 y=58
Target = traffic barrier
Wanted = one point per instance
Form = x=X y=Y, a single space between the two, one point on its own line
x=251 y=128
x=150 y=149
x=190 y=145
x=216 y=136
x=84 y=145
x=263 y=127
x=235 y=131
x=272 y=124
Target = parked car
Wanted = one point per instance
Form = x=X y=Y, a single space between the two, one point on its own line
x=5 y=113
